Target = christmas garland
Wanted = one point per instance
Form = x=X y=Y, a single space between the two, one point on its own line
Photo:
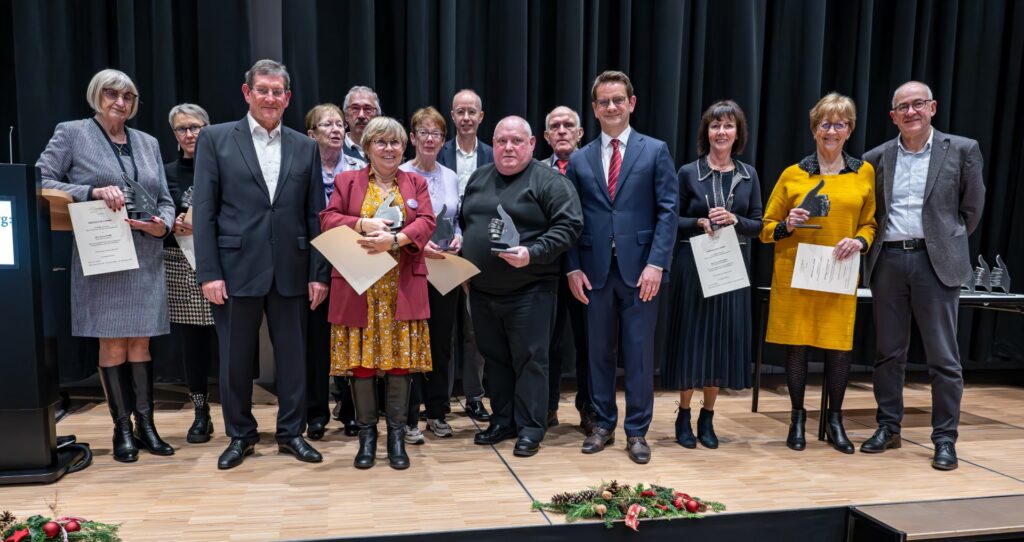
x=66 y=529
x=613 y=501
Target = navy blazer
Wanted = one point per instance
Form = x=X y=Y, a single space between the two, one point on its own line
x=240 y=236
x=484 y=155
x=641 y=221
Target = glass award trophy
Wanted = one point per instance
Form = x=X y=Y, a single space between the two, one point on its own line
x=444 y=234
x=503 y=233
x=389 y=212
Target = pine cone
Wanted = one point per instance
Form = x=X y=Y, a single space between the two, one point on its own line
x=562 y=499
x=584 y=496
x=613 y=487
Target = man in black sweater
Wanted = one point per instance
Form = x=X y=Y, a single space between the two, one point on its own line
x=513 y=298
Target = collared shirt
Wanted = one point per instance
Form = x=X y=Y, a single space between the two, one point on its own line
x=268 y=152
x=353 y=146
x=908 y=183
x=345 y=163
x=606 y=148
x=465 y=164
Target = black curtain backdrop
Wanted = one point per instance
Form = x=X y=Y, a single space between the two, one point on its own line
x=774 y=57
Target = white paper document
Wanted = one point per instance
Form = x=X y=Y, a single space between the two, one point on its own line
x=719 y=262
x=188 y=248
x=816 y=269
x=361 y=269
x=103 y=238
x=450 y=272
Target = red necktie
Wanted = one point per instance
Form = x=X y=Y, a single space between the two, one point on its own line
x=562 y=164
x=613 y=168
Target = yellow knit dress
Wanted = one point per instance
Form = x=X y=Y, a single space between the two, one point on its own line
x=385 y=343
x=806 y=317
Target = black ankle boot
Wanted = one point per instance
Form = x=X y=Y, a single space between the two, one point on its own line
x=397 y=408
x=117 y=386
x=684 y=433
x=836 y=434
x=706 y=430
x=797 y=439
x=364 y=402
x=202 y=426
x=145 y=429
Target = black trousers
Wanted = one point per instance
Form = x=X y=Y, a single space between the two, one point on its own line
x=199 y=351
x=513 y=333
x=318 y=366
x=432 y=389
x=238 y=328
x=903 y=283
x=569 y=312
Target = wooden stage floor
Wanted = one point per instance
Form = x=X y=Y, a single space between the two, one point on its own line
x=454 y=485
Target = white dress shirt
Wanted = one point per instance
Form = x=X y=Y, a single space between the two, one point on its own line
x=465 y=164
x=908 y=183
x=268 y=152
x=606 y=149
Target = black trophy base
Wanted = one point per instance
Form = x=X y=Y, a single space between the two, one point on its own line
x=502 y=250
x=66 y=459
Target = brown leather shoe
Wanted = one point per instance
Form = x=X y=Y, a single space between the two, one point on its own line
x=638 y=450
x=597 y=440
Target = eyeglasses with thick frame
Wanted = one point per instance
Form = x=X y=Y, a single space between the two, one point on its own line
x=380 y=144
x=918 y=105
x=424 y=134
x=190 y=129
x=837 y=126
x=113 y=95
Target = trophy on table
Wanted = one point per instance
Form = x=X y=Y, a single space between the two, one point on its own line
x=1000 y=276
x=139 y=203
x=816 y=204
x=444 y=234
x=503 y=232
x=389 y=212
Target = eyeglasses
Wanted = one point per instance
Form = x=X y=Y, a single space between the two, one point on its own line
x=339 y=124
x=423 y=134
x=918 y=105
x=368 y=109
x=619 y=101
x=263 y=91
x=113 y=95
x=190 y=129
x=837 y=126
x=380 y=144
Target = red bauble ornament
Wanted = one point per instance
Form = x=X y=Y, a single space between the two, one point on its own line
x=72 y=526
x=51 y=529
x=691 y=506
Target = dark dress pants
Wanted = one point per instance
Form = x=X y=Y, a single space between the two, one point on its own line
x=434 y=386
x=238 y=330
x=469 y=355
x=903 y=283
x=318 y=366
x=513 y=333
x=568 y=311
x=616 y=318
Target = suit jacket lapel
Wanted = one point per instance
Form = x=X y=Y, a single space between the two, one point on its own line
x=940 y=144
x=593 y=154
x=448 y=150
x=286 y=161
x=633 y=150
x=889 y=171
x=243 y=137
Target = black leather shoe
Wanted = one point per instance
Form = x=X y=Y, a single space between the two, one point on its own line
x=588 y=420
x=638 y=450
x=202 y=425
x=526 y=447
x=945 y=456
x=552 y=418
x=597 y=440
x=494 y=434
x=706 y=430
x=835 y=433
x=882 y=440
x=351 y=428
x=301 y=449
x=797 y=440
x=235 y=453
x=477 y=411
x=684 y=432
x=316 y=430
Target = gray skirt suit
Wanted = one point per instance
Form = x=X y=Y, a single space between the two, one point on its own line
x=130 y=303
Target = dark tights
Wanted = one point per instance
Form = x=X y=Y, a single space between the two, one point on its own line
x=837 y=368
x=199 y=348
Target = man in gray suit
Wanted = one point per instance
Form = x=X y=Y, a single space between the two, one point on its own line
x=929 y=196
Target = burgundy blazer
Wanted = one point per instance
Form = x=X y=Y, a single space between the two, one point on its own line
x=348 y=308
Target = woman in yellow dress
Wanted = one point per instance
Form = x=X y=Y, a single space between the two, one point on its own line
x=384 y=329
x=804 y=318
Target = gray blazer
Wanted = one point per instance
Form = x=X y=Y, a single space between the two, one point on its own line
x=954 y=196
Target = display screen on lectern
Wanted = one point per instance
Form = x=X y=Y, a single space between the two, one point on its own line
x=7 y=238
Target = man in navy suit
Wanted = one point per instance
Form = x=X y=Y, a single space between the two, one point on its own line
x=628 y=189
x=463 y=155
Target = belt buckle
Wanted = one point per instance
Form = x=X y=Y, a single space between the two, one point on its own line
x=909 y=244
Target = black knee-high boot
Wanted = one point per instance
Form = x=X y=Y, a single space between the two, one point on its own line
x=145 y=428
x=397 y=408
x=364 y=401
x=117 y=386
